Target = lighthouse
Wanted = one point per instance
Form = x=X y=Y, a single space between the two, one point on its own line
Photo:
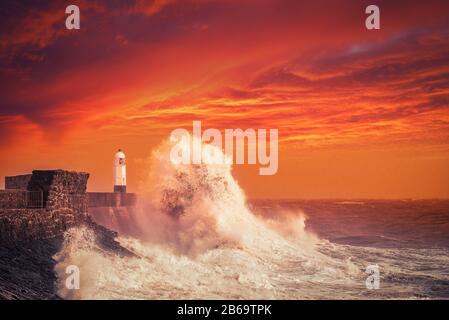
x=119 y=171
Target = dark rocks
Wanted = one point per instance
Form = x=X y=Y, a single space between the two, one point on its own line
x=27 y=269
x=106 y=239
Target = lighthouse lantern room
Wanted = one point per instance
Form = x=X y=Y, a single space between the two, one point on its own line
x=119 y=172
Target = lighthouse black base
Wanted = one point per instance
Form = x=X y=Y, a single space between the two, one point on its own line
x=120 y=189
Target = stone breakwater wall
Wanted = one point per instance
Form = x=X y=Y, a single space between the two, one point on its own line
x=29 y=237
x=63 y=204
x=111 y=199
x=13 y=199
x=46 y=203
x=17 y=182
x=37 y=224
x=60 y=187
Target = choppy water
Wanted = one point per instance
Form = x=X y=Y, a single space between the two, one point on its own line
x=196 y=236
x=407 y=239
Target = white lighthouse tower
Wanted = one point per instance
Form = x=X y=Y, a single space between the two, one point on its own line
x=119 y=172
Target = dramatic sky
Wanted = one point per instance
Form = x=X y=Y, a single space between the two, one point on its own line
x=361 y=114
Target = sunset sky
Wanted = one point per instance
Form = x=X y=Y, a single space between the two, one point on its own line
x=361 y=114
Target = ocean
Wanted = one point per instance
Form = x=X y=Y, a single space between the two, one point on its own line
x=407 y=239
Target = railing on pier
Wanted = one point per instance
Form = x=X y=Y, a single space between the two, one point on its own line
x=34 y=199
